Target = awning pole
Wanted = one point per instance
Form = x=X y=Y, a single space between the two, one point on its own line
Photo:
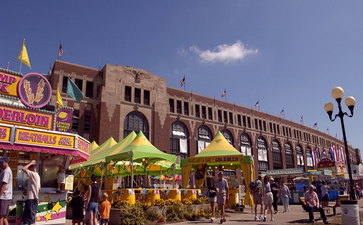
x=132 y=170
x=173 y=175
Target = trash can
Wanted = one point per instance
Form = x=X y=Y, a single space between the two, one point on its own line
x=350 y=212
x=20 y=205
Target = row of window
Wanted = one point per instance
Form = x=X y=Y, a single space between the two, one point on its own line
x=79 y=83
x=180 y=107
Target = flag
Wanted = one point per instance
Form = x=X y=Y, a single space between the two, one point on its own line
x=50 y=71
x=335 y=153
x=332 y=153
x=223 y=93
x=23 y=57
x=74 y=91
x=313 y=157
x=315 y=125
x=59 y=98
x=257 y=104
x=342 y=150
x=301 y=119
x=323 y=154
x=182 y=82
x=282 y=112
x=7 y=66
x=60 y=51
x=317 y=156
x=327 y=130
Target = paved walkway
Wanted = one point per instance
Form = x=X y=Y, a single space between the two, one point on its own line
x=295 y=216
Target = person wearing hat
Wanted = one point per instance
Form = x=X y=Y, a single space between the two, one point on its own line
x=32 y=192
x=275 y=193
x=6 y=190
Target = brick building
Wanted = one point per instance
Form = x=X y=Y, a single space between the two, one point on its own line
x=119 y=99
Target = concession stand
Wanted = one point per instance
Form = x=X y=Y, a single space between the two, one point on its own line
x=220 y=155
x=28 y=131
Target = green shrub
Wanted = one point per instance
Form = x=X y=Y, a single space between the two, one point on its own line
x=132 y=215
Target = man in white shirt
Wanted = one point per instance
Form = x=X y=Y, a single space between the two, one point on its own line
x=6 y=190
x=31 y=204
x=222 y=194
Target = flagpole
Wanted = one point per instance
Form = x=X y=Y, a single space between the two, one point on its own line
x=20 y=67
x=184 y=82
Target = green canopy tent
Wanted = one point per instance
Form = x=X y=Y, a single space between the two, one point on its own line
x=219 y=154
x=142 y=151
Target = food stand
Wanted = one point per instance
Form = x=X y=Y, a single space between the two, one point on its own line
x=219 y=155
x=28 y=132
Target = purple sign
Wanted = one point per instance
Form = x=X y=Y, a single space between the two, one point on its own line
x=34 y=90
x=63 y=120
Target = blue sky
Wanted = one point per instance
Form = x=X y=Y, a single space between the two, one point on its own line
x=286 y=54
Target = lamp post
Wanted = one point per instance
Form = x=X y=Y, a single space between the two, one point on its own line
x=337 y=94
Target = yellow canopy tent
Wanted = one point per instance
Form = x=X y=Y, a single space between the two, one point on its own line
x=219 y=154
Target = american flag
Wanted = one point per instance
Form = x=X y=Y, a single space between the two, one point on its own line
x=282 y=112
x=315 y=125
x=257 y=104
x=327 y=130
x=301 y=119
x=60 y=52
x=182 y=82
x=223 y=93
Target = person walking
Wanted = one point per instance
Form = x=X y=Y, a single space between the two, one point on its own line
x=255 y=187
x=212 y=197
x=77 y=204
x=312 y=203
x=267 y=197
x=222 y=194
x=275 y=193
x=324 y=194
x=318 y=190
x=6 y=190
x=357 y=191
x=285 y=196
x=105 y=209
x=32 y=193
x=92 y=201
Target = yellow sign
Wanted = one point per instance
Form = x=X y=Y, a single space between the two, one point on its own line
x=69 y=183
x=39 y=138
x=216 y=159
x=5 y=133
x=16 y=116
x=9 y=84
x=83 y=146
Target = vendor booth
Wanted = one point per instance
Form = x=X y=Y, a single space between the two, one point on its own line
x=219 y=155
x=29 y=132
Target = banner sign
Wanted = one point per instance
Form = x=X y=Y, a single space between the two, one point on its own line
x=16 y=116
x=63 y=120
x=47 y=139
x=326 y=162
x=83 y=145
x=285 y=171
x=5 y=133
x=216 y=159
x=34 y=90
x=9 y=84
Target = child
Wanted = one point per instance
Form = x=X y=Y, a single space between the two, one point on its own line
x=77 y=211
x=105 y=209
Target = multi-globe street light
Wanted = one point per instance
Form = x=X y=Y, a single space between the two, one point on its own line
x=337 y=94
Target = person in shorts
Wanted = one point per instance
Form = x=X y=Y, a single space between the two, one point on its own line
x=267 y=197
x=212 y=197
x=222 y=194
x=32 y=193
x=105 y=209
x=92 y=201
x=257 y=196
x=6 y=190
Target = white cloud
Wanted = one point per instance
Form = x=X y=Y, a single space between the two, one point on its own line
x=224 y=53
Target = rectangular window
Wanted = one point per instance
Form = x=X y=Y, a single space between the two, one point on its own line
x=64 y=84
x=186 y=108
x=127 y=93
x=225 y=119
x=79 y=84
x=171 y=105
x=204 y=112
x=89 y=89
x=278 y=129
x=244 y=121
x=146 y=97
x=283 y=130
x=178 y=107
x=239 y=122
x=137 y=98
x=87 y=122
x=219 y=115
x=256 y=124
x=290 y=132
x=197 y=111
x=231 y=118
x=248 y=122
x=294 y=133
x=264 y=125
x=210 y=113
x=260 y=124
x=75 y=121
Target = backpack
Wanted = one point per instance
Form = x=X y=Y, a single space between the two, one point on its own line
x=252 y=185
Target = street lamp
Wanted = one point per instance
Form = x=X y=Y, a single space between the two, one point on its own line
x=337 y=94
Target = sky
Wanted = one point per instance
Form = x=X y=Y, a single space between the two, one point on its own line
x=287 y=55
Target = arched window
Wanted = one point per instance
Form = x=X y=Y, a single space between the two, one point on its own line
x=179 y=140
x=262 y=154
x=136 y=121
x=289 y=156
x=228 y=136
x=204 y=137
x=276 y=154
x=245 y=144
x=309 y=158
x=299 y=156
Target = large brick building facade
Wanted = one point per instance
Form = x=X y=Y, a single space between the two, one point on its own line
x=119 y=99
